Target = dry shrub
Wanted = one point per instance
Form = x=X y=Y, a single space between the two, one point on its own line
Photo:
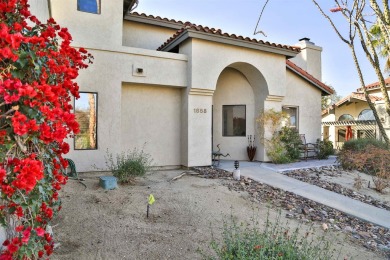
x=358 y=182
x=372 y=160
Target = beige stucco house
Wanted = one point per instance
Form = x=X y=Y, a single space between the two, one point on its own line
x=353 y=111
x=179 y=89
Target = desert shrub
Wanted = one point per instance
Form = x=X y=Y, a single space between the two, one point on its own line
x=325 y=148
x=128 y=165
x=292 y=141
x=283 y=146
x=372 y=160
x=362 y=143
x=276 y=150
x=276 y=242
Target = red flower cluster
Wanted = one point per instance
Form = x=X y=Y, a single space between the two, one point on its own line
x=336 y=9
x=27 y=171
x=38 y=69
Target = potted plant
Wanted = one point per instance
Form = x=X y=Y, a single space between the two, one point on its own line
x=251 y=149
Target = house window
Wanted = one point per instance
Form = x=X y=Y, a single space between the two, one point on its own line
x=292 y=113
x=366 y=114
x=234 y=120
x=86 y=116
x=89 y=6
x=346 y=117
x=341 y=135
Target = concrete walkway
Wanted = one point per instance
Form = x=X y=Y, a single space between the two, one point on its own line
x=264 y=173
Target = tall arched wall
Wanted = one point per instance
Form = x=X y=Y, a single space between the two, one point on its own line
x=206 y=61
x=233 y=89
x=209 y=59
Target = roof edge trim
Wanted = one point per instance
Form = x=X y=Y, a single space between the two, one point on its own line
x=188 y=33
x=309 y=80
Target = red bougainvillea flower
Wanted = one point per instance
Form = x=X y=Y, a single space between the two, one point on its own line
x=38 y=69
x=40 y=231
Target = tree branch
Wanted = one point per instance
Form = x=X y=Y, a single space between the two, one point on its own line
x=331 y=22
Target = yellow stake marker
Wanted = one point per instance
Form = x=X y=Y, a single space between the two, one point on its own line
x=151 y=200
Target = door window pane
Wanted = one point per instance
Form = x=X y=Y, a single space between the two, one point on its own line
x=292 y=113
x=86 y=116
x=234 y=120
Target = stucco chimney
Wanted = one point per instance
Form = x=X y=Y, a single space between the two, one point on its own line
x=309 y=58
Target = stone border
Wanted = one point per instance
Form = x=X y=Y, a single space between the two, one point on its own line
x=372 y=237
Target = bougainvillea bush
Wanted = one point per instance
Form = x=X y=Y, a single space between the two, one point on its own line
x=37 y=73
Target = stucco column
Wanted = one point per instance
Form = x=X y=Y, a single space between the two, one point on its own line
x=197 y=127
x=271 y=102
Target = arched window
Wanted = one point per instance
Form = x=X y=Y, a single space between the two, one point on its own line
x=89 y=6
x=346 y=117
x=366 y=114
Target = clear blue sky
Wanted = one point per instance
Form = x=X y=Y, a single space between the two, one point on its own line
x=284 y=21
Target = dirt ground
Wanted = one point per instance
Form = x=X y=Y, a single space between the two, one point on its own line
x=99 y=224
x=347 y=179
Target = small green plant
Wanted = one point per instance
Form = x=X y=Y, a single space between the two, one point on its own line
x=128 y=165
x=362 y=143
x=290 y=137
x=277 y=151
x=325 y=148
x=283 y=147
x=276 y=241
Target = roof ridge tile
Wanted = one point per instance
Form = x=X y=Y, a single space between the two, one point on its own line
x=189 y=25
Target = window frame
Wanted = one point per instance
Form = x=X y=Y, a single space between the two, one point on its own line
x=296 y=115
x=97 y=121
x=346 y=115
x=223 y=125
x=340 y=133
x=99 y=8
x=360 y=114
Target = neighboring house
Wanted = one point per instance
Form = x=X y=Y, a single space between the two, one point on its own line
x=352 y=114
x=180 y=88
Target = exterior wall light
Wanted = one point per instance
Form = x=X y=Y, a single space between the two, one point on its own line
x=236 y=164
x=236 y=172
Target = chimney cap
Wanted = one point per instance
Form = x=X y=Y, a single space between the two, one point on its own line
x=305 y=39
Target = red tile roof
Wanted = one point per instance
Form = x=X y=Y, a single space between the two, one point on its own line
x=327 y=110
x=188 y=26
x=191 y=26
x=160 y=18
x=376 y=84
x=353 y=95
x=200 y=28
x=303 y=73
x=359 y=96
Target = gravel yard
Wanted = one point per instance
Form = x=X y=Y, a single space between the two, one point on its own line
x=98 y=224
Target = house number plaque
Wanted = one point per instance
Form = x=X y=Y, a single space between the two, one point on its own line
x=200 y=110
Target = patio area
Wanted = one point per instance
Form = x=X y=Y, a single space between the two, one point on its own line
x=228 y=165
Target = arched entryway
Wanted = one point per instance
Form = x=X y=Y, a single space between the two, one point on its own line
x=238 y=98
